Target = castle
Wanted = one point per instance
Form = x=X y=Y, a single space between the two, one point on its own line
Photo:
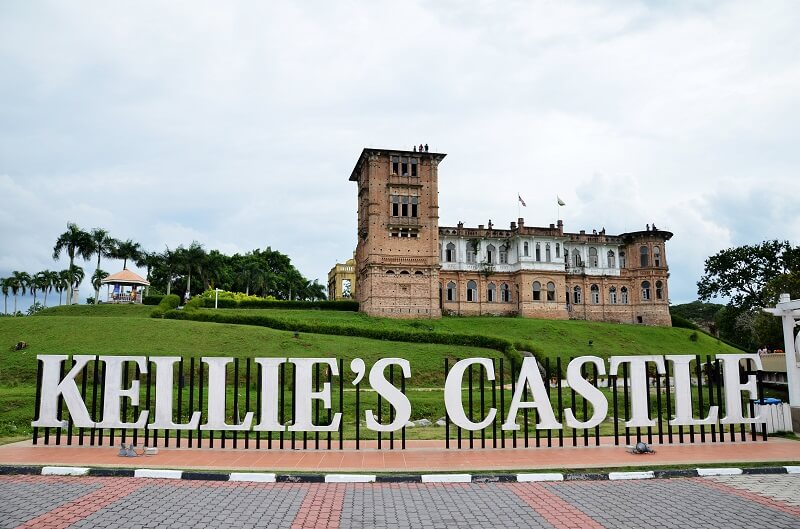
x=407 y=266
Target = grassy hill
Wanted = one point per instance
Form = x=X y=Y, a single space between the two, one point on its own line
x=545 y=338
x=128 y=329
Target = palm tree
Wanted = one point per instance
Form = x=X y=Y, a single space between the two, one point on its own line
x=40 y=282
x=19 y=284
x=148 y=260
x=76 y=242
x=169 y=260
x=97 y=277
x=191 y=260
x=76 y=275
x=5 y=287
x=52 y=282
x=127 y=250
x=62 y=283
x=104 y=246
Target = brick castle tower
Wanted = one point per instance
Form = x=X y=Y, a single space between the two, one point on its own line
x=397 y=255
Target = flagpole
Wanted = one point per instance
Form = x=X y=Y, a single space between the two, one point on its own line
x=518 y=211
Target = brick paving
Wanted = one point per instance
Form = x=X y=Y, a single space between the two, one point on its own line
x=728 y=502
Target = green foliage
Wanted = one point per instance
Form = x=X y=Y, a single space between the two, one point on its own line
x=743 y=273
x=345 y=305
x=166 y=304
x=680 y=321
x=152 y=300
x=263 y=319
x=704 y=314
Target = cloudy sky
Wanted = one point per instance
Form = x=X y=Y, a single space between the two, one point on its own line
x=237 y=124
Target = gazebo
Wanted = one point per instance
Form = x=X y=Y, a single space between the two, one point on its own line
x=125 y=287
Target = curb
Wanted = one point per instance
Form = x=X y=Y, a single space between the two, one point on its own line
x=266 y=477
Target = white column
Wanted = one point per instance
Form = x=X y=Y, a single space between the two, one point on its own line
x=789 y=311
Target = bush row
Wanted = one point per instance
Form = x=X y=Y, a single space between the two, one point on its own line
x=506 y=347
x=680 y=321
x=167 y=304
x=346 y=305
x=152 y=300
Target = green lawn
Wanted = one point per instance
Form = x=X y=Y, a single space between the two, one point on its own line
x=552 y=339
x=128 y=329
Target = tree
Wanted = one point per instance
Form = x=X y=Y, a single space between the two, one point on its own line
x=19 y=284
x=52 y=282
x=104 y=246
x=127 y=250
x=149 y=260
x=76 y=275
x=62 y=283
x=191 y=260
x=40 y=282
x=74 y=241
x=743 y=273
x=5 y=287
x=97 y=277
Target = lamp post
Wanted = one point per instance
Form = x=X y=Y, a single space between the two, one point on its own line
x=789 y=312
x=216 y=296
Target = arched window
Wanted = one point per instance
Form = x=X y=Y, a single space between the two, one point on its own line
x=547 y=252
x=622 y=259
x=404 y=273
x=576 y=258
x=418 y=273
x=612 y=295
x=451 y=291
x=558 y=251
x=656 y=256
x=505 y=293
x=611 y=263
x=595 y=293
x=593 y=257
x=644 y=257
x=645 y=290
x=538 y=251
x=490 y=293
x=537 y=291
x=390 y=272
x=551 y=291
x=525 y=249
x=576 y=295
x=623 y=294
x=471 y=252
x=490 y=253
x=450 y=252
x=503 y=254
x=659 y=290
x=472 y=291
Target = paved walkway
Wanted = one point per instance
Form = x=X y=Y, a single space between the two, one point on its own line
x=420 y=456
x=729 y=502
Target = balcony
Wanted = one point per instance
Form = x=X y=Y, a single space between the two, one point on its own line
x=403 y=221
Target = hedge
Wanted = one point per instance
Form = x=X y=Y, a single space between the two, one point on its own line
x=345 y=305
x=506 y=347
x=681 y=322
x=167 y=304
x=152 y=300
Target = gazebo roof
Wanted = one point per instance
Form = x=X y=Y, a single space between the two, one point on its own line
x=126 y=277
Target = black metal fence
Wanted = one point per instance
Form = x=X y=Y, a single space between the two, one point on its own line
x=244 y=394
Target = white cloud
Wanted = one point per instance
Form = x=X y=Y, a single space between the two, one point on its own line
x=237 y=124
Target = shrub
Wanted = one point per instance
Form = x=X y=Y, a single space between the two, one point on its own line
x=680 y=321
x=508 y=348
x=264 y=303
x=168 y=303
x=152 y=300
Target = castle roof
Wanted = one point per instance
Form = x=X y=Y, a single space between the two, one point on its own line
x=369 y=151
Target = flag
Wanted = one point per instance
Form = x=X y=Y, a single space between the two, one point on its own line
x=560 y=202
x=522 y=201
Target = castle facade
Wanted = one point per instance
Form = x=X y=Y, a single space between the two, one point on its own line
x=407 y=266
